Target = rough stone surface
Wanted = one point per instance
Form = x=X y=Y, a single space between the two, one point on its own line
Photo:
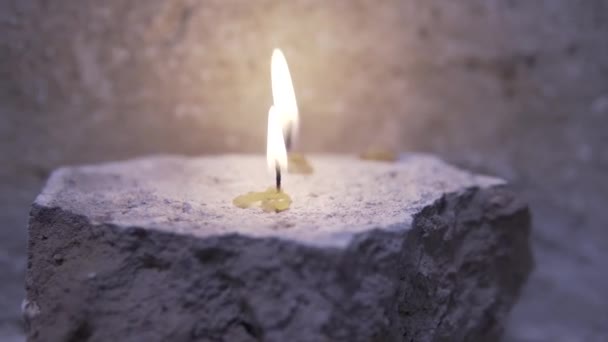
x=153 y=250
x=515 y=88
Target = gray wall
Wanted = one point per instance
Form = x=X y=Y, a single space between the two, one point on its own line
x=513 y=88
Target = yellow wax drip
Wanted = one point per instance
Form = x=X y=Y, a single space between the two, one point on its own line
x=299 y=164
x=379 y=155
x=270 y=200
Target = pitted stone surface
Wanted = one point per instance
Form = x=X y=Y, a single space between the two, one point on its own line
x=344 y=197
x=153 y=249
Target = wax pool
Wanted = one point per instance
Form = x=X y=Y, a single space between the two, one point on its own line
x=271 y=200
x=299 y=164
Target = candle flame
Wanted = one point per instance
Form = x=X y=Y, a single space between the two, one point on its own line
x=276 y=153
x=283 y=96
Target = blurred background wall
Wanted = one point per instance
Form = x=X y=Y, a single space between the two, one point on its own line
x=514 y=88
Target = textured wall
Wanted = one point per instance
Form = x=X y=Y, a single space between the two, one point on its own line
x=515 y=88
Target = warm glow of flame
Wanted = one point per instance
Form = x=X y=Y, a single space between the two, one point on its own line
x=283 y=95
x=276 y=153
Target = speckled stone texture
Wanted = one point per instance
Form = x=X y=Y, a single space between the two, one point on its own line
x=153 y=250
x=515 y=88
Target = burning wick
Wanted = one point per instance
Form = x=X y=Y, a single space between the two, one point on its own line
x=284 y=99
x=282 y=128
x=276 y=152
x=278 y=177
x=273 y=199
